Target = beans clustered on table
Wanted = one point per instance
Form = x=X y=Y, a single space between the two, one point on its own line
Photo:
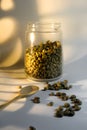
x=67 y=109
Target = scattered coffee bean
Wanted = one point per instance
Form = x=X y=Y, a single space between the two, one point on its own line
x=50 y=104
x=65 y=82
x=20 y=87
x=63 y=94
x=76 y=107
x=64 y=98
x=66 y=105
x=59 y=108
x=52 y=94
x=58 y=94
x=73 y=97
x=36 y=100
x=58 y=114
x=69 y=112
x=70 y=86
x=32 y=128
x=77 y=101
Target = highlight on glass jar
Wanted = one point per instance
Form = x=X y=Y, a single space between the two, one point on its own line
x=43 y=53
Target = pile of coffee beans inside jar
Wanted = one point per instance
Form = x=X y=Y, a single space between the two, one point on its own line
x=44 y=61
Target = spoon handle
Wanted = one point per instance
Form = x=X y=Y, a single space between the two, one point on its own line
x=2 y=106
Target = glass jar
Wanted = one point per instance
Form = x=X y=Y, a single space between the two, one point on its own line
x=43 y=53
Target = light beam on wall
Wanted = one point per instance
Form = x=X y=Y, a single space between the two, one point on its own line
x=7 y=5
x=14 y=56
x=7 y=29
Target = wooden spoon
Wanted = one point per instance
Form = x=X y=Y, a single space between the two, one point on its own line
x=24 y=92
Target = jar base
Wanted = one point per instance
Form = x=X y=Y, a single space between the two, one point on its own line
x=44 y=80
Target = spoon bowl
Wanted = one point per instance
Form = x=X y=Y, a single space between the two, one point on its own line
x=28 y=90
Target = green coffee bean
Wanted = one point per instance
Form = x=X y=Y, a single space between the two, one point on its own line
x=52 y=94
x=58 y=94
x=58 y=114
x=63 y=94
x=76 y=107
x=73 y=97
x=60 y=108
x=36 y=100
x=64 y=98
x=66 y=105
x=77 y=101
x=69 y=112
x=32 y=128
x=50 y=104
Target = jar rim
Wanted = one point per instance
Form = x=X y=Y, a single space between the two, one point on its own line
x=44 y=23
x=36 y=26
